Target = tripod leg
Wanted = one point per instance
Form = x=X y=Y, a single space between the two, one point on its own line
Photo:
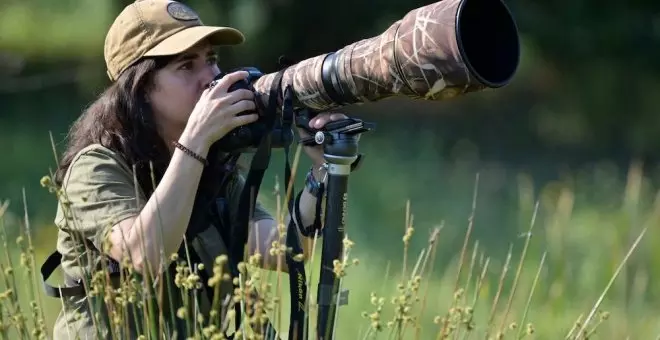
x=333 y=237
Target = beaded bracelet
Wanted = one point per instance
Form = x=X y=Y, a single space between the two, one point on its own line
x=190 y=153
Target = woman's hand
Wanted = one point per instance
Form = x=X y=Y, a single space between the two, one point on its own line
x=316 y=152
x=216 y=112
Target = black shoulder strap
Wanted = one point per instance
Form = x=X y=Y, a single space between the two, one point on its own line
x=47 y=268
x=74 y=287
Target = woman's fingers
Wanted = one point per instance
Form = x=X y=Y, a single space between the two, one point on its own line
x=237 y=107
x=338 y=116
x=236 y=96
x=245 y=119
x=222 y=85
x=324 y=118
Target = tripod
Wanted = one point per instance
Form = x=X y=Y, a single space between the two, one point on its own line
x=340 y=150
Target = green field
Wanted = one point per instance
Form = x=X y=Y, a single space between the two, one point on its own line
x=586 y=257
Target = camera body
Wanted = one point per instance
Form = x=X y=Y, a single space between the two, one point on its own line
x=246 y=138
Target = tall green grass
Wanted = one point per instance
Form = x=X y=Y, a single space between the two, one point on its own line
x=585 y=272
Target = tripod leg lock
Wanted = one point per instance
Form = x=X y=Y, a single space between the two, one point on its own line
x=326 y=298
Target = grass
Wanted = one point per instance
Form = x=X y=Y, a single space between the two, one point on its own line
x=549 y=284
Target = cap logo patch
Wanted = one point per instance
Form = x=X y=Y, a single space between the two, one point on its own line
x=182 y=12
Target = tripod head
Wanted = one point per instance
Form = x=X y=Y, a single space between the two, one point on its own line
x=340 y=141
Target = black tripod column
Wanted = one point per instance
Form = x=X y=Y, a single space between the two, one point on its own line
x=333 y=248
x=340 y=153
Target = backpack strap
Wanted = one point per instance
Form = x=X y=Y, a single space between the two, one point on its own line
x=74 y=287
x=47 y=268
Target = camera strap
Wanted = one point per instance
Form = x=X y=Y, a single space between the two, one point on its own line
x=297 y=277
x=258 y=167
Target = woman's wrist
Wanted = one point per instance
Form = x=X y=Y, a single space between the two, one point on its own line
x=194 y=143
x=312 y=192
x=307 y=212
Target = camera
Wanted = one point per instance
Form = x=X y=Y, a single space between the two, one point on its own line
x=246 y=138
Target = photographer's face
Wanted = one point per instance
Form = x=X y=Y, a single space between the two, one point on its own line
x=179 y=85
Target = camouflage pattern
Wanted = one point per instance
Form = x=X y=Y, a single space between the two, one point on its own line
x=417 y=57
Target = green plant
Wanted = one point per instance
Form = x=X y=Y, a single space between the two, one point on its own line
x=415 y=303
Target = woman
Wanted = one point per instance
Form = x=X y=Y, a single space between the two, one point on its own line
x=159 y=114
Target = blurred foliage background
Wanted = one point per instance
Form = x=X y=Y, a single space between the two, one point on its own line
x=577 y=129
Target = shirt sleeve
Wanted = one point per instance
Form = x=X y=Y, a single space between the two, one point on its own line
x=234 y=190
x=100 y=192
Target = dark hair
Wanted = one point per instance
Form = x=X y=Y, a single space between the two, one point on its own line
x=122 y=120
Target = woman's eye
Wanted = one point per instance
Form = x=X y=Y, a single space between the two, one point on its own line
x=213 y=60
x=186 y=66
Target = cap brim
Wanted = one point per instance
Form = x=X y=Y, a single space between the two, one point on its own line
x=189 y=37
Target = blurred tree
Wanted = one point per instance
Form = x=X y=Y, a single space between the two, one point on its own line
x=586 y=89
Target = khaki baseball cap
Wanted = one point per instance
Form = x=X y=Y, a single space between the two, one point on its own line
x=158 y=28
